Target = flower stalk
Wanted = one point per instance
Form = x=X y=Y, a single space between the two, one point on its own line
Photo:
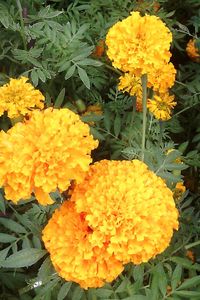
x=144 y=111
x=22 y=32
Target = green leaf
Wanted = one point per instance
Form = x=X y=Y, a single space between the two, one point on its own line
x=24 y=258
x=103 y=293
x=45 y=269
x=60 y=99
x=188 y=283
x=176 y=276
x=187 y=294
x=70 y=72
x=41 y=75
x=77 y=294
x=3 y=254
x=84 y=77
x=107 y=120
x=117 y=125
x=91 y=118
x=12 y=225
x=64 y=290
x=186 y=263
x=96 y=134
x=2 y=204
x=6 y=238
x=34 y=77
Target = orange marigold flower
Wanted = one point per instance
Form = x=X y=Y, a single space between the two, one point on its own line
x=18 y=97
x=162 y=79
x=161 y=105
x=109 y=221
x=67 y=237
x=192 y=51
x=139 y=44
x=44 y=153
x=132 y=84
x=179 y=190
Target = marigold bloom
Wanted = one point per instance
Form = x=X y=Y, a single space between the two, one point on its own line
x=18 y=97
x=117 y=215
x=44 y=153
x=139 y=44
x=192 y=50
x=161 y=105
x=132 y=84
x=75 y=258
x=179 y=190
x=162 y=79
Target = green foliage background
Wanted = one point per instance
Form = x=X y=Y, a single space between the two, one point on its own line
x=53 y=43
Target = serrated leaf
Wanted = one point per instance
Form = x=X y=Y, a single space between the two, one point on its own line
x=34 y=77
x=3 y=254
x=12 y=225
x=186 y=263
x=45 y=269
x=187 y=294
x=176 y=276
x=64 y=290
x=2 y=204
x=107 y=120
x=70 y=72
x=103 y=293
x=84 y=77
x=189 y=283
x=6 y=238
x=96 y=134
x=41 y=75
x=24 y=258
x=117 y=125
x=60 y=99
x=77 y=294
x=91 y=118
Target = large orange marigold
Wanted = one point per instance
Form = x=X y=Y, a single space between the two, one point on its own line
x=139 y=44
x=43 y=154
x=18 y=97
x=118 y=214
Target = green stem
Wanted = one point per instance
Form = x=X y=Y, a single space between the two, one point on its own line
x=22 y=32
x=181 y=111
x=113 y=69
x=144 y=111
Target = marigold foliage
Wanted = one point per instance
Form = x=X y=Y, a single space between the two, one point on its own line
x=118 y=214
x=139 y=44
x=161 y=106
x=43 y=154
x=18 y=97
x=192 y=50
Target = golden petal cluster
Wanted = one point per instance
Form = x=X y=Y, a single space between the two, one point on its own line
x=161 y=106
x=44 y=153
x=117 y=215
x=18 y=97
x=192 y=50
x=163 y=79
x=138 y=44
x=132 y=84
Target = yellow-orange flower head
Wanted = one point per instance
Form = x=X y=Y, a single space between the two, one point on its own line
x=18 y=97
x=139 y=44
x=44 y=153
x=193 y=51
x=117 y=215
x=161 y=106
